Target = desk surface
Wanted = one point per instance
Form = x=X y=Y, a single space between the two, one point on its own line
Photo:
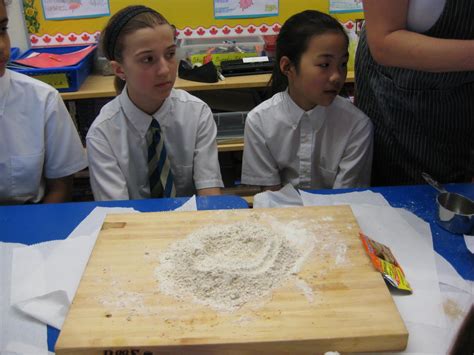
x=421 y=200
x=57 y=221
x=97 y=86
x=49 y=222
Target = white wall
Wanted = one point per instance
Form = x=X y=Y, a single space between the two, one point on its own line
x=16 y=25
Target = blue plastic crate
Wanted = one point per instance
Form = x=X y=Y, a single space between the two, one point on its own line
x=64 y=79
x=14 y=53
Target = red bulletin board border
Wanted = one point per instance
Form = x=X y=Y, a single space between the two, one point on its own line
x=65 y=39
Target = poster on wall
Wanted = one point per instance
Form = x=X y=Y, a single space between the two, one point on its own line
x=245 y=8
x=69 y=9
x=342 y=6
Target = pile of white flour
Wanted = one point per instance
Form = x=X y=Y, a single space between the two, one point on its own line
x=226 y=266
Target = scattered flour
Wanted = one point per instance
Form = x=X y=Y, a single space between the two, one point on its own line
x=340 y=255
x=306 y=289
x=119 y=300
x=226 y=266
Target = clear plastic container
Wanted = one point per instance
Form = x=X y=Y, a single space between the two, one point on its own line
x=230 y=125
x=217 y=49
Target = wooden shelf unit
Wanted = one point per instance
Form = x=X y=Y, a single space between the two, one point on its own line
x=98 y=86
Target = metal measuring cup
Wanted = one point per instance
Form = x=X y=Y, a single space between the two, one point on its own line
x=455 y=211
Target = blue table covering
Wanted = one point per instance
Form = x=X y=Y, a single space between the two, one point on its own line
x=38 y=223
x=30 y=224
x=421 y=200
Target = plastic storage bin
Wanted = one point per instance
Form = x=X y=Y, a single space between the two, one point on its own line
x=14 y=53
x=196 y=50
x=65 y=79
x=230 y=125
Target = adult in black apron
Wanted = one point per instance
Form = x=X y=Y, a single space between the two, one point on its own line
x=423 y=121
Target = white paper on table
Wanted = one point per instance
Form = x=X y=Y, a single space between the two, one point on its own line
x=50 y=272
x=383 y=223
x=415 y=255
x=357 y=197
x=469 y=240
x=449 y=276
x=428 y=339
x=287 y=196
x=189 y=205
x=14 y=324
x=458 y=298
x=432 y=339
x=45 y=276
x=92 y=224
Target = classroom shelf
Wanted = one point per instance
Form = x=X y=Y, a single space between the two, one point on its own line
x=98 y=86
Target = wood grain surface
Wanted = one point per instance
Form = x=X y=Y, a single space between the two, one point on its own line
x=119 y=308
x=99 y=86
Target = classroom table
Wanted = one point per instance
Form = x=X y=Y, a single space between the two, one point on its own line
x=421 y=201
x=36 y=223
x=30 y=224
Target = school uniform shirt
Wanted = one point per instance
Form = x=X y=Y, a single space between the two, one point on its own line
x=38 y=139
x=117 y=147
x=327 y=147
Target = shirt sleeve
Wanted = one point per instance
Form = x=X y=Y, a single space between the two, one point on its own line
x=258 y=166
x=106 y=178
x=355 y=166
x=64 y=153
x=207 y=173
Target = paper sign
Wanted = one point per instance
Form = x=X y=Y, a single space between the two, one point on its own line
x=61 y=9
x=245 y=8
x=57 y=80
x=341 y=6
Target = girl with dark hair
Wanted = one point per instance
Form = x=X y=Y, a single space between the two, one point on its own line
x=306 y=134
x=151 y=140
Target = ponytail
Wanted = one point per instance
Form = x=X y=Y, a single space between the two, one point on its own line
x=123 y=23
x=293 y=40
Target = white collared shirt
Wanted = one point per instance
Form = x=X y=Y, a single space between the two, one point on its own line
x=117 y=147
x=38 y=139
x=327 y=147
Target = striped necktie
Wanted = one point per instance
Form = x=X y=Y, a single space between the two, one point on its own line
x=159 y=168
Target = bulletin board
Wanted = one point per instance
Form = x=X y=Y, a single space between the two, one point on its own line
x=192 y=18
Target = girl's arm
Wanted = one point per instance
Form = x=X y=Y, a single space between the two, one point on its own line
x=58 y=190
x=391 y=44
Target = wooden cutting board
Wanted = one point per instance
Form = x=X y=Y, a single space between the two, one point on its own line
x=119 y=309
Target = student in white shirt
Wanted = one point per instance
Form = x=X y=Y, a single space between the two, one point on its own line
x=140 y=45
x=306 y=134
x=40 y=149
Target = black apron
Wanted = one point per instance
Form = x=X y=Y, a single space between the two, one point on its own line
x=422 y=121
